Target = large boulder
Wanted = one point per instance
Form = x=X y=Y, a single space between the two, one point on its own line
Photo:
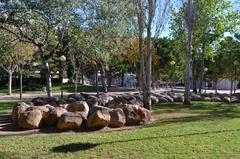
x=154 y=99
x=30 y=119
x=77 y=97
x=125 y=99
x=216 y=99
x=92 y=101
x=53 y=115
x=103 y=98
x=69 y=121
x=169 y=98
x=40 y=101
x=196 y=97
x=118 y=118
x=80 y=107
x=17 y=110
x=131 y=114
x=99 y=119
x=95 y=108
x=71 y=100
x=226 y=99
x=235 y=99
x=43 y=109
x=144 y=114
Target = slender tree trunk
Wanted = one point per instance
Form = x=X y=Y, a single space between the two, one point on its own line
x=10 y=82
x=216 y=87
x=48 y=78
x=231 y=87
x=202 y=69
x=190 y=20
x=82 y=76
x=21 y=85
x=103 y=77
x=109 y=79
x=96 y=78
x=122 y=78
x=147 y=103
x=76 y=79
x=141 y=24
x=194 y=83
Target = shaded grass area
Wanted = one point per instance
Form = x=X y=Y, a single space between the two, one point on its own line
x=202 y=130
x=56 y=88
x=6 y=106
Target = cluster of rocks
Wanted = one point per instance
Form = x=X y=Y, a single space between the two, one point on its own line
x=211 y=97
x=79 y=110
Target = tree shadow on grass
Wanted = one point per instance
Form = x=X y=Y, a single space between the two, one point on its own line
x=75 y=147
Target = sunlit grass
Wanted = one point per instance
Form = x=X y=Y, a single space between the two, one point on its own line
x=202 y=130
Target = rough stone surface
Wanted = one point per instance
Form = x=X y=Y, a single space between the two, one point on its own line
x=118 y=118
x=131 y=114
x=42 y=109
x=77 y=97
x=154 y=100
x=39 y=101
x=144 y=114
x=69 y=121
x=30 y=119
x=92 y=101
x=79 y=107
x=17 y=110
x=53 y=115
x=99 y=119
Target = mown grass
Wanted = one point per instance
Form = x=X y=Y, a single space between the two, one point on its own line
x=55 y=88
x=202 y=130
x=6 y=106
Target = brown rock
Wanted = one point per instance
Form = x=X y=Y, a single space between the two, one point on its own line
x=95 y=108
x=144 y=114
x=30 y=119
x=69 y=121
x=43 y=109
x=80 y=107
x=99 y=119
x=53 y=115
x=17 y=110
x=131 y=114
x=118 y=118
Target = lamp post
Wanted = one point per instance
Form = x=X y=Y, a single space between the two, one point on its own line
x=172 y=64
x=63 y=59
x=205 y=71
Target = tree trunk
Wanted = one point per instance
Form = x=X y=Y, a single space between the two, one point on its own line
x=109 y=79
x=122 y=78
x=10 y=82
x=82 y=76
x=231 y=88
x=21 y=85
x=48 y=78
x=147 y=103
x=141 y=24
x=202 y=70
x=190 y=19
x=103 y=78
x=194 y=83
x=96 y=78
x=216 y=87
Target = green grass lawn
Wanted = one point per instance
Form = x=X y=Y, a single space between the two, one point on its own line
x=6 y=106
x=202 y=130
x=56 y=88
